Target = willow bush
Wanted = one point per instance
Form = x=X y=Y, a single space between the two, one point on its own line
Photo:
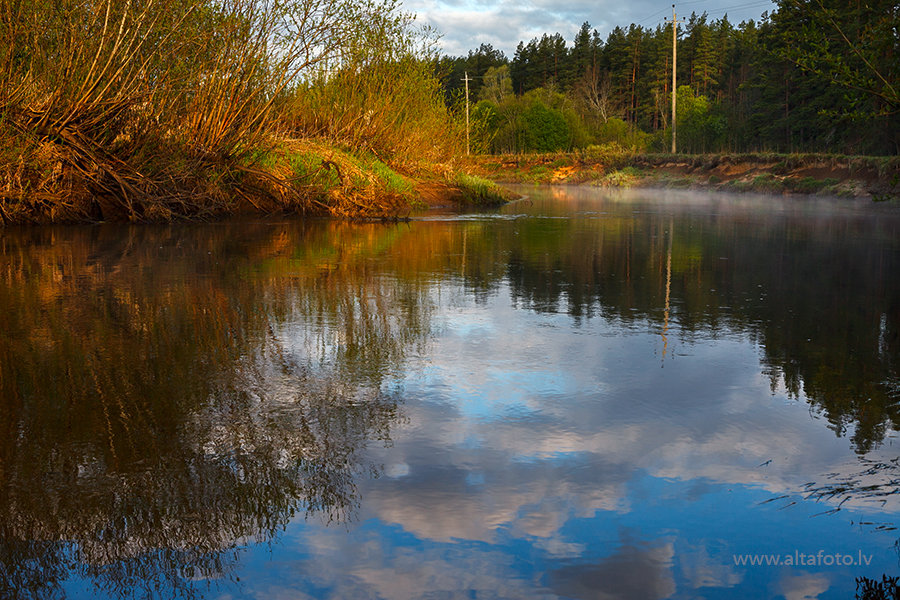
x=145 y=110
x=380 y=95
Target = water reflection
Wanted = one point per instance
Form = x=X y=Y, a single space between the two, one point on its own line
x=817 y=292
x=478 y=401
x=154 y=416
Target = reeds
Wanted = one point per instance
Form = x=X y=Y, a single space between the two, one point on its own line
x=81 y=82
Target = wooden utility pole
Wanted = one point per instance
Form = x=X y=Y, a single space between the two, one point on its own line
x=674 y=71
x=467 y=80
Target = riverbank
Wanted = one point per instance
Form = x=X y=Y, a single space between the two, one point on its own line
x=196 y=110
x=297 y=176
x=854 y=177
x=321 y=178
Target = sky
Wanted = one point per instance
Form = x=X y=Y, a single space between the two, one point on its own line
x=466 y=24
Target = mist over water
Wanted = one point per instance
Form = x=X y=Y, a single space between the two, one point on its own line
x=585 y=394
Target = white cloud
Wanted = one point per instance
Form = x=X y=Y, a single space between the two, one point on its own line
x=466 y=24
x=703 y=570
x=804 y=586
x=365 y=567
x=576 y=406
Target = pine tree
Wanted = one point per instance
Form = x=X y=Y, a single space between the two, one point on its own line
x=814 y=75
x=704 y=59
x=584 y=53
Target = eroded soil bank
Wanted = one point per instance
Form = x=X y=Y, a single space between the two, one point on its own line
x=867 y=177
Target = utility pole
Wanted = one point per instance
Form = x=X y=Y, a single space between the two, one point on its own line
x=467 y=80
x=674 y=71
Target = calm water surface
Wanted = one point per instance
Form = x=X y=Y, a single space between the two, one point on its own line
x=583 y=395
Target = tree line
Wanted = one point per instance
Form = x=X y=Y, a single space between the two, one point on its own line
x=811 y=76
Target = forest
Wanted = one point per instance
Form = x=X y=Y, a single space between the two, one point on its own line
x=811 y=76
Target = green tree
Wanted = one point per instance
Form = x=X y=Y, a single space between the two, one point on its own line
x=814 y=75
x=486 y=122
x=545 y=129
x=825 y=72
x=585 y=53
x=855 y=45
x=497 y=84
x=700 y=127
x=703 y=58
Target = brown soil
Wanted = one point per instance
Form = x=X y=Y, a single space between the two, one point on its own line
x=872 y=177
x=438 y=194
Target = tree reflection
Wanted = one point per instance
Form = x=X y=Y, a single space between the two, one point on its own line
x=157 y=414
x=819 y=294
x=169 y=394
x=823 y=304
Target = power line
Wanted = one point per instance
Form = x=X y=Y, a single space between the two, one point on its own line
x=710 y=11
x=725 y=9
x=652 y=17
x=665 y=10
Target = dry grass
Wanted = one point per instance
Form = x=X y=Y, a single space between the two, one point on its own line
x=111 y=109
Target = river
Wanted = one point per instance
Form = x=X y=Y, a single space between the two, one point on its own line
x=584 y=394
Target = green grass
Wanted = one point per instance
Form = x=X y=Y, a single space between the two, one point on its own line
x=809 y=185
x=260 y=159
x=311 y=169
x=393 y=181
x=682 y=182
x=479 y=191
x=761 y=172
x=621 y=178
x=539 y=174
x=766 y=182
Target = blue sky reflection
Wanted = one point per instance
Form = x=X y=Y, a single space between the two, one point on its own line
x=534 y=463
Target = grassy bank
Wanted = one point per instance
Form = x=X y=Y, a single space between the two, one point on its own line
x=319 y=177
x=310 y=176
x=849 y=176
x=113 y=111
